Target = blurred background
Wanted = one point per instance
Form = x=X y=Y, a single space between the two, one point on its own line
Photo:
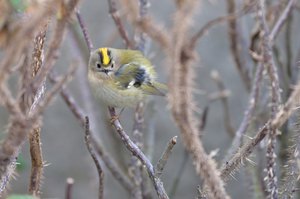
x=63 y=144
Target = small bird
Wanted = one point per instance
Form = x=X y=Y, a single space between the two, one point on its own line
x=122 y=78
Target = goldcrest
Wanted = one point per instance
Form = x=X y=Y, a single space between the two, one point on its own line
x=121 y=77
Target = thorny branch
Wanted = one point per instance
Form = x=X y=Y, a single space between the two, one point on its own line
x=275 y=122
x=21 y=121
x=269 y=63
x=180 y=49
x=181 y=100
x=35 y=135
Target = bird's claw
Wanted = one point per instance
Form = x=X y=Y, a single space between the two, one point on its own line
x=114 y=118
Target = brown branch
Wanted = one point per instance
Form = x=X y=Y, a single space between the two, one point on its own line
x=291 y=168
x=276 y=122
x=227 y=121
x=179 y=174
x=51 y=56
x=40 y=107
x=154 y=31
x=36 y=175
x=283 y=17
x=139 y=120
x=146 y=24
x=84 y=31
x=109 y=162
x=165 y=156
x=180 y=98
x=10 y=148
x=143 y=38
x=116 y=17
x=268 y=61
x=24 y=33
x=136 y=168
x=134 y=149
x=35 y=137
x=112 y=166
x=9 y=102
x=19 y=123
x=201 y=32
x=88 y=143
x=69 y=187
x=248 y=115
x=236 y=47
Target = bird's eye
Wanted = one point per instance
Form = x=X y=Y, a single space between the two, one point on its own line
x=112 y=65
x=98 y=65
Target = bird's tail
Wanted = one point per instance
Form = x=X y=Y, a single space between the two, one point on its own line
x=154 y=88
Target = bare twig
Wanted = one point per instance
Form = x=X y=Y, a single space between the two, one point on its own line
x=281 y=20
x=164 y=157
x=154 y=31
x=133 y=148
x=288 y=49
x=277 y=121
x=69 y=186
x=35 y=136
x=179 y=174
x=37 y=165
x=236 y=47
x=8 y=101
x=138 y=127
x=268 y=61
x=116 y=17
x=181 y=100
x=20 y=123
x=112 y=166
x=10 y=148
x=291 y=168
x=143 y=38
x=136 y=167
x=214 y=22
x=40 y=107
x=93 y=155
x=24 y=34
x=106 y=158
x=70 y=102
x=216 y=77
x=146 y=23
x=55 y=42
x=84 y=31
x=248 y=113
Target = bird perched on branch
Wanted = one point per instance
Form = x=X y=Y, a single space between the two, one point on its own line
x=122 y=78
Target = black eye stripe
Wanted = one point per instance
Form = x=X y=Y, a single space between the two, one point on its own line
x=109 y=53
x=100 y=56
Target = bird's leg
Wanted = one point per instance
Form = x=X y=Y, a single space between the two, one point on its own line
x=116 y=116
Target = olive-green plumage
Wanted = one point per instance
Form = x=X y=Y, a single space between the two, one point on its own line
x=121 y=77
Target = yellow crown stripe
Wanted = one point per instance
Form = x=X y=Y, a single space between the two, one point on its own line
x=105 y=57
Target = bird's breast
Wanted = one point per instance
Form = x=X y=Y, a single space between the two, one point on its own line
x=107 y=91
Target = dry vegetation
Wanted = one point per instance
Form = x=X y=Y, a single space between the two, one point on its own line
x=265 y=76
